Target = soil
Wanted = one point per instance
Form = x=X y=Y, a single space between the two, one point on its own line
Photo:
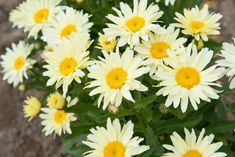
x=20 y=138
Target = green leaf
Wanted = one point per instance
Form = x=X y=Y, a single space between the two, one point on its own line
x=72 y=142
x=221 y=126
x=153 y=142
x=208 y=112
x=78 y=151
x=77 y=132
x=174 y=125
x=214 y=45
x=82 y=108
x=232 y=108
x=180 y=5
x=228 y=151
x=102 y=116
x=168 y=16
x=229 y=136
x=144 y=102
x=146 y=113
x=221 y=110
x=197 y=2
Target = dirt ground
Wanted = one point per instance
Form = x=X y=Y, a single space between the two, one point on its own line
x=18 y=138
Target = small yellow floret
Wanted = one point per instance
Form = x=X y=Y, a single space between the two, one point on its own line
x=32 y=107
x=106 y=44
x=56 y=100
x=200 y=44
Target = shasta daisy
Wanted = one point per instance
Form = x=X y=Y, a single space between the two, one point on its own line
x=16 y=63
x=114 y=140
x=187 y=79
x=115 y=76
x=199 y=22
x=132 y=25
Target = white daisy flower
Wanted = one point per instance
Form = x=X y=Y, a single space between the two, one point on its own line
x=192 y=146
x=66 y=24
x=186 y=79
x=131 y=25
x=114 y=141
x=34 y=15
x=228 y=54
x=157 y=48
x=199 y=23
x=167 y=2
x=115 y=76
x=66 y=62
x=16 y=63
x=105 y=44
x=57 y=121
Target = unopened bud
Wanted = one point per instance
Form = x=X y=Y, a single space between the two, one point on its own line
x=79 y=1
x=163 y=108
x=22 y=87
x=112 y=109
x=200 y=44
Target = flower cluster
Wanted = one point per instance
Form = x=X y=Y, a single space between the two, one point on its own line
x=135 y=53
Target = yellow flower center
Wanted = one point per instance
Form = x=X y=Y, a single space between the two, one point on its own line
x=116 y=78
x=188 y=77
x=135 y=24
x=192 y=153
x=197 y=26
x=68 y=30
x=59 y=116
x=159 y=50
x=68 y=66
x=114 y=149
x=56 y=101
x=41 y=15
x=19 y=63
x=106 y=44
